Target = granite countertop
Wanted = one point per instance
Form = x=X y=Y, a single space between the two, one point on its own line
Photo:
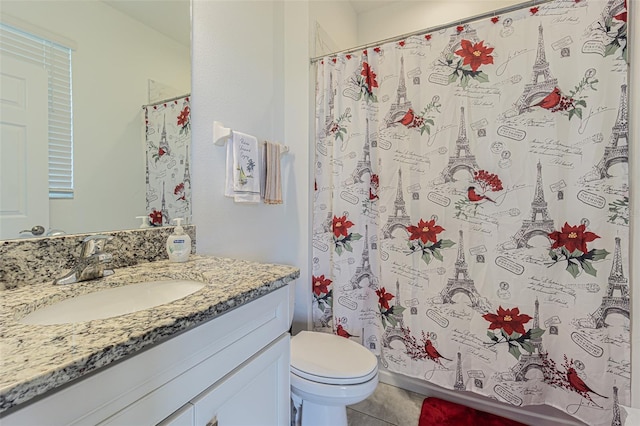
x=35 y=359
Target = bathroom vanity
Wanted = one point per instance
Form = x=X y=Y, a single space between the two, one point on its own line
x=217 y=356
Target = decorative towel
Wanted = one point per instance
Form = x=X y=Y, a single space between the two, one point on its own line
x=273 y=181
x=243 y=173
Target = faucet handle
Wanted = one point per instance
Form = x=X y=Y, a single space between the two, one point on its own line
x=94 y=244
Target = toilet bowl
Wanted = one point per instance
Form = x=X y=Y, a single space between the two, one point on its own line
x=328 y=373
x=633 y=416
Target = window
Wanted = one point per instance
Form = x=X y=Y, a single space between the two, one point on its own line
x=56 y=59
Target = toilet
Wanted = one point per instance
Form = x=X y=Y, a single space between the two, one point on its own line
x=329 y=372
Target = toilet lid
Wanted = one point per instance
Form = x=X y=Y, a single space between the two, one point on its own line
x=327 y=358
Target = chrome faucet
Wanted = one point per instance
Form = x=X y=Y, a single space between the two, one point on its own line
x=92 y=262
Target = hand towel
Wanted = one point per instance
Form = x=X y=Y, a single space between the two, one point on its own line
x=273 y=181
x=243 y=170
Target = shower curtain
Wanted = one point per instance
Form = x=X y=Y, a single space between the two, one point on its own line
x=471 y=206
x=168 y=176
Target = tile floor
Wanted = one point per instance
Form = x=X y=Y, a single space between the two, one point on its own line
x=388 y=406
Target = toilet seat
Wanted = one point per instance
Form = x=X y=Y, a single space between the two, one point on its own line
x=330 y=359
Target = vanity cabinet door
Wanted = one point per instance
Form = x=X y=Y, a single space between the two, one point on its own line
x=254 y=394
x=182 y=417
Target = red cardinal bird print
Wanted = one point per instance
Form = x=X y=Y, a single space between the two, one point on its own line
x=340 y=331
x=578 y=384
x=408 y=118
x=555 y=101
x=433 y=353
x=474 y=197
x=551 y=100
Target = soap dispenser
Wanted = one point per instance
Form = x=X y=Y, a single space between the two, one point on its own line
x=144 y=221
x=178 y=243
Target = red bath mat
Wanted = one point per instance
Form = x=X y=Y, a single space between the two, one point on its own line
x=438 y=412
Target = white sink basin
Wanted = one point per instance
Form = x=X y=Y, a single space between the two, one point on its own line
x=113 y=302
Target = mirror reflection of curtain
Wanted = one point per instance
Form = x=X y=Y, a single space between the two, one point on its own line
x=471 y=206
x=168 y=178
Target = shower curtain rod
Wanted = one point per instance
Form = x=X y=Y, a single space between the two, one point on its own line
x=507 y=9
x=166 y=100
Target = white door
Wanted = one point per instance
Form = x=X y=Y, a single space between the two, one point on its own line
x=24 y=186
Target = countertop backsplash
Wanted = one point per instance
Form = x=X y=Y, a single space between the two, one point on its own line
x=36 y=260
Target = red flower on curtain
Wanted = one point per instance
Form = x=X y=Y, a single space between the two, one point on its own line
x=512 y=332
x=341 y=226
x=321 y=285
x=570 y=246
x=425 y=231
x=384 y=298
x=466 y=62
x=155 y=217
x=342 y=238
x=572 y=238
x=369 y=76
x=367 y=82
x=321 y=292
x=179 y=190
x=388 y=313
x=183 y=117
x=475 y=55
x=509 y=320
x=495 y=19
x=534 y=10
x=423 y=239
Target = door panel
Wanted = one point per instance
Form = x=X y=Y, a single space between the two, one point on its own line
x=24 y=186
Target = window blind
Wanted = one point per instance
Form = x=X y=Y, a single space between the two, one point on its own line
x=56 y=60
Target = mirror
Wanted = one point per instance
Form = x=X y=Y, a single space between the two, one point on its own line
x=125 y=54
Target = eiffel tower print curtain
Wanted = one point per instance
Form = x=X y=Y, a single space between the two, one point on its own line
x=168 y=177
x=471 y=210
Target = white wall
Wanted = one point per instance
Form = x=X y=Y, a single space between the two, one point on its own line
x=115 y=57
x=405 y=17
x=243 y=53
x=334 y=26
x=238 y=79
